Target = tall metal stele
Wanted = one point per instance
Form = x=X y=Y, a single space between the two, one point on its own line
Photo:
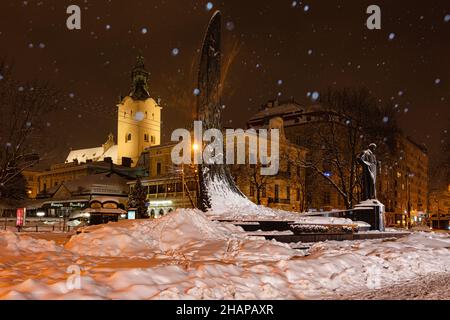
x=209 y=109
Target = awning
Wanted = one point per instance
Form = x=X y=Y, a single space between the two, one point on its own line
x=104 y=210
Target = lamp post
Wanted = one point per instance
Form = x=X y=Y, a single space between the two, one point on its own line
x=408 y=194
x=438 y=213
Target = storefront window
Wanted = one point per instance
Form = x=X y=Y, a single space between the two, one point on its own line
x=152 y=189
x=161 y=188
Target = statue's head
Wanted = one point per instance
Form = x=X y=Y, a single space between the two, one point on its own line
x=372 y=146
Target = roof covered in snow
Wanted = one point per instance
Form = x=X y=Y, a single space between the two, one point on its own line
x=94 y=154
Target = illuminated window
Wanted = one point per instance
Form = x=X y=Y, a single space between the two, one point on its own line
x=146 y=137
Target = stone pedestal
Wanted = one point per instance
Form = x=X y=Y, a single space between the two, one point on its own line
x=372 y=212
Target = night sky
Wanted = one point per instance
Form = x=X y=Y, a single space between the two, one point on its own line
x=272 y=48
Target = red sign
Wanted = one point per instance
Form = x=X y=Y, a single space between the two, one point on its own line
x=20 y=217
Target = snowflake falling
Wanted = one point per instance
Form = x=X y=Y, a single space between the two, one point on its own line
x=230 y=25
x=175 y=51
x=196 y=92
x=391 y=36
x=209 y=6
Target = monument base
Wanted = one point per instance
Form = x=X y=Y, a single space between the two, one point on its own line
x=372 y=212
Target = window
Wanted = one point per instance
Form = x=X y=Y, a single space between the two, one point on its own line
x=252 y=191
x=145 y=137
x=158 y=168
x=146 y=114
x=264 y=192
x=153 y=139
x=288 y=193
x=128 y=137
x=277 y=193
x=162 y=188
x=152 y=189
x=298 y=194
x=171 y=187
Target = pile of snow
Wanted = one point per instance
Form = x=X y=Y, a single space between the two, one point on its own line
x=186 y=256
x=227 y=204
x=181 y=233
x=16 y=244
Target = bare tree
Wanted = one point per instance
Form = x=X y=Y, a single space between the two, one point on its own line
x=250 y=175
x=23 y=107
x=348 y=121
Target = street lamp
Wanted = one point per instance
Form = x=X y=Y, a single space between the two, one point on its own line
x=40 y=214
x=438 y=213
x=408 y=194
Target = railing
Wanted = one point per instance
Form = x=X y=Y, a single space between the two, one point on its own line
x=169 y=195
x=34 y=226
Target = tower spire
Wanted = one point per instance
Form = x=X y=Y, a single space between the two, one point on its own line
x=139 y=77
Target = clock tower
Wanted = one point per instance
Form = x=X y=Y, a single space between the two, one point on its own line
x=138 y=117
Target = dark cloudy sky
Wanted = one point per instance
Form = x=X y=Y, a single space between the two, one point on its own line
x=308 y=45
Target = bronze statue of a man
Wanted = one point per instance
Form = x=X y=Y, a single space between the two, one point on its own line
x=368 y=161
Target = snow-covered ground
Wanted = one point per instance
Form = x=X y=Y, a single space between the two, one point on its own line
x=185 y=255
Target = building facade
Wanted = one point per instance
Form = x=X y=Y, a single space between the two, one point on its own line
x=403 y=183
x=439 y=205
x=402 y=177
x=170 y=186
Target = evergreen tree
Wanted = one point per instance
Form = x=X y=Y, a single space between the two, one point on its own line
x=137 y=199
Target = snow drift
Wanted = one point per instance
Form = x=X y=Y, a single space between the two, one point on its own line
x=184 y=255
x=183 y=232
x=12 y=243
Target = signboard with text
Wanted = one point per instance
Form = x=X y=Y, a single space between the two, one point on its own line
x=20 y=221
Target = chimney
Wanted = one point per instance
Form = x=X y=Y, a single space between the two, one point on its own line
x=126 y=162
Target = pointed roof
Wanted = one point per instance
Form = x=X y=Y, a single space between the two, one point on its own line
x=139 y=77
